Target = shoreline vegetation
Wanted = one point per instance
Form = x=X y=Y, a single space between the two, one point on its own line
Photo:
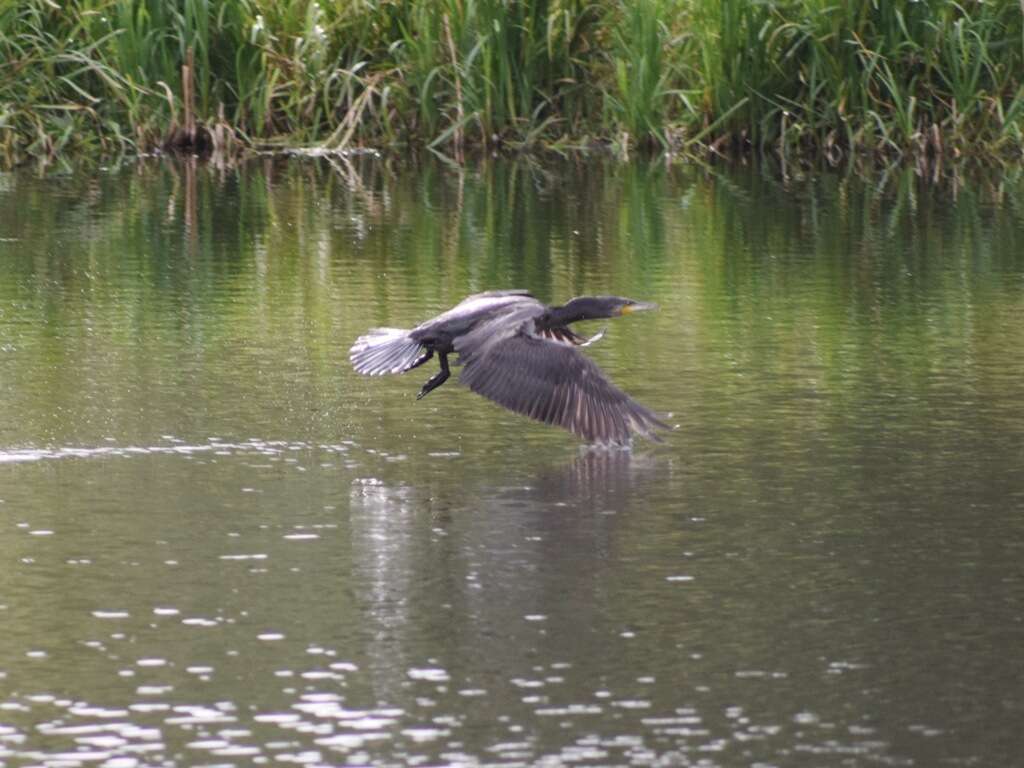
x=818 y=80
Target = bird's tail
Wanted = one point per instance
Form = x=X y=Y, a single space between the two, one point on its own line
x=385 y=350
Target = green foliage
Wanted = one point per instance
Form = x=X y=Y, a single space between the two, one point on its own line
x=638 y=102
x=895 y=78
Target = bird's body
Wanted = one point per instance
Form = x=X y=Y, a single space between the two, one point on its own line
x=521 y=354
x=469 y=314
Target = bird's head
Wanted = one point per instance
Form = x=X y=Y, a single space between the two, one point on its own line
x=625 y=306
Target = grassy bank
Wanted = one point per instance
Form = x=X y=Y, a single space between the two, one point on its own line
x=811 y=77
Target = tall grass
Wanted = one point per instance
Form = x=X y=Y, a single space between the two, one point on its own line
x=638 y=102
x=882 y=77
x=891 y=77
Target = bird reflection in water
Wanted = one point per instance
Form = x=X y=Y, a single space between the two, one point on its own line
x=598 y=479
x=404 y=535
x=432 y=589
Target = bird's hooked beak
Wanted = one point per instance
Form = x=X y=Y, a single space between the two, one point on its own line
x=637 y=306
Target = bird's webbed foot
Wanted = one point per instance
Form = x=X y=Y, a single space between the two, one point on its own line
x=432 y=384
x=437 y=380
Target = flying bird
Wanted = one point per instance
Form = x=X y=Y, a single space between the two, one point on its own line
x=521 y=354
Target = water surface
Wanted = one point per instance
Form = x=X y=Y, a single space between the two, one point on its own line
x=218 y=545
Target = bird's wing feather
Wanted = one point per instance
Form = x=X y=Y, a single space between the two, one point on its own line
x=565 y=335
x=502 y=292
x=552 y=382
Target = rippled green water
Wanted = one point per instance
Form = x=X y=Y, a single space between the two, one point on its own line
x=218 y=545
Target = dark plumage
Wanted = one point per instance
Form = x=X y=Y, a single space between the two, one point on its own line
x=521 y=354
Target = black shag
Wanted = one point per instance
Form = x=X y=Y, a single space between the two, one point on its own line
x=521 y=354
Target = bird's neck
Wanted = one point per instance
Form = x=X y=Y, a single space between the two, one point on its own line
x=584 y=308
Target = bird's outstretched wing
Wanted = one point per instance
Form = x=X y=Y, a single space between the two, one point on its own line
x=552 y=382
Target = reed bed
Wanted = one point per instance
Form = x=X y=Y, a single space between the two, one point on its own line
x=812 y=78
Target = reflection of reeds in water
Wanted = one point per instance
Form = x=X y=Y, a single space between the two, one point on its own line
x=289 y=255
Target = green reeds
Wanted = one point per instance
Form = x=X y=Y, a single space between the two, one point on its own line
x=892 y=78
x=639 y=100
x=885 y=77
